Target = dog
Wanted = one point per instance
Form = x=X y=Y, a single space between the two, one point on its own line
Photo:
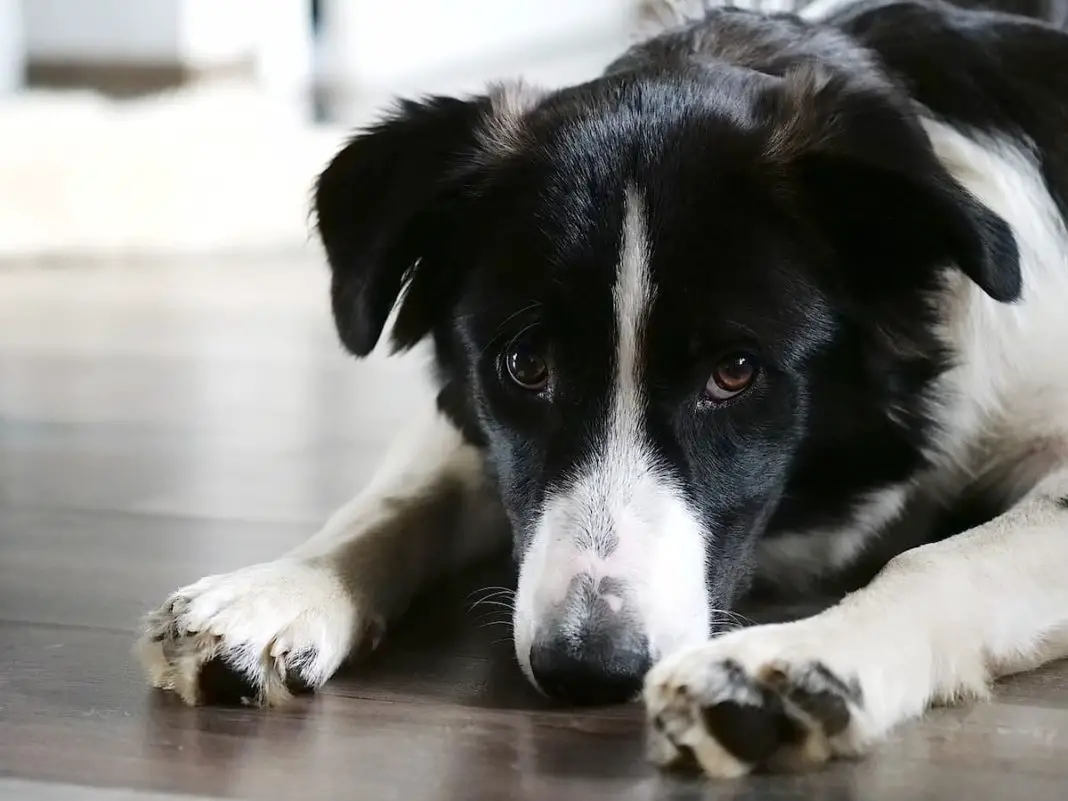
x=770 y=289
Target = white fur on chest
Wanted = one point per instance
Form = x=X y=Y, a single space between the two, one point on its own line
x=1003 y=409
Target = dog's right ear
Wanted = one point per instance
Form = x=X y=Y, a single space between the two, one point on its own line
x=381 y=204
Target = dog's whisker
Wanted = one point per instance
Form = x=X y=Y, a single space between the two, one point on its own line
x=732 y=615
x=493 y=607
x=492 y=623
x=497 y=604
x=491 y=590
x=507 y=594
x=499 y=616
x=492 y=597
x=723 y=620
x=492 y=612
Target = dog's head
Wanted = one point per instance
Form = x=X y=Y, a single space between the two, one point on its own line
x=677 y=307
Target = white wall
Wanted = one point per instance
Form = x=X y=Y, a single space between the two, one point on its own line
x=12 y=53
x=102 y=30
x=374 y=40
x=372 y=48
x=191 y=32
x=218 y=31
x=377 y=44
x=275 y=34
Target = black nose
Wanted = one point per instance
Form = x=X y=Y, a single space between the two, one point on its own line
x=589 y=673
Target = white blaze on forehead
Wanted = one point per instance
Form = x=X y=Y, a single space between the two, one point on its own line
x=633 y=296
x=609 y=489
x=621 y=517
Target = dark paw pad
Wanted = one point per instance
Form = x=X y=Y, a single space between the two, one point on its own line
x=297 y=668
x=814 y=692
x=750 y=733
x=221 y=684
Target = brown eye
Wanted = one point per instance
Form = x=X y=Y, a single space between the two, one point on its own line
x=527 y=366
x=732 y=376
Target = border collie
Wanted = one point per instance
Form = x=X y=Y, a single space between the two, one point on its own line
x=771 y=288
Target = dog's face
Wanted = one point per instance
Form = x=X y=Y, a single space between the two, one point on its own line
x=675 y=309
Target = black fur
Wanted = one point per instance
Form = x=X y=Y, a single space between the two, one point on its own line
x=795 y=208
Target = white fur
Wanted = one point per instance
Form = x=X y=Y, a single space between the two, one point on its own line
x=942 y=620
x=795 y=559
x=620 y=517
x=338 y=589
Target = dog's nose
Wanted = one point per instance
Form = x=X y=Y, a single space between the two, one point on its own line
x=590 y=673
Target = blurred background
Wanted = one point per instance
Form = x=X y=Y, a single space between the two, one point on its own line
x=176 y=127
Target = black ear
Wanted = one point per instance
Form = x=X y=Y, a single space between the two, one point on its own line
x=380 y=205
x=871 y=175
x=913 y=223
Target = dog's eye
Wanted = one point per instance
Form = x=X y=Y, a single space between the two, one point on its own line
x=527 y=365
x=734 y=373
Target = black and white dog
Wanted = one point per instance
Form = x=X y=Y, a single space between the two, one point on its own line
x=768 y=288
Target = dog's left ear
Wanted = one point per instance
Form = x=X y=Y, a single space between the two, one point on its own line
x=871 y=177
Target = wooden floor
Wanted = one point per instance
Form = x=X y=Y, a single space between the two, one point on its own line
x=160 y=422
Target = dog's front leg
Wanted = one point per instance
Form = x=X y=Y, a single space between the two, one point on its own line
x=937 y=625
x=289 y=623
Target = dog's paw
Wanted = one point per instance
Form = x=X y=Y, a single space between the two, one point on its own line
x=254 y=636
x=752 y=699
